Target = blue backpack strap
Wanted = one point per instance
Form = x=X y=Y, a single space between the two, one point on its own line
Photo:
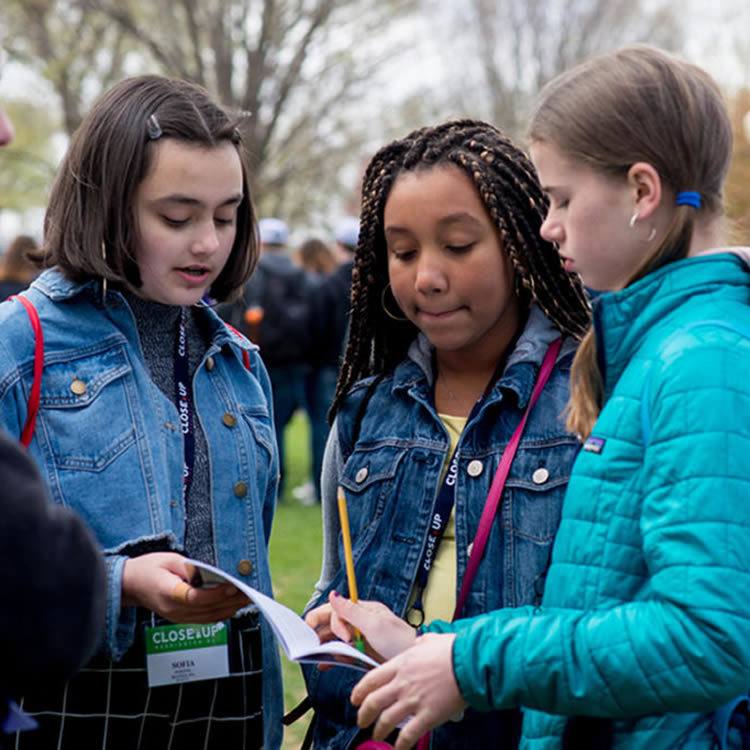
x=735 y=715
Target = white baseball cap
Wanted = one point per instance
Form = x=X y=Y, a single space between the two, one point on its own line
x=273 y=231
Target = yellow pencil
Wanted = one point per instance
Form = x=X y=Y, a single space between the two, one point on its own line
x=350 y=577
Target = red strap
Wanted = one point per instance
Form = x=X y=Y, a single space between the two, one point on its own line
x=245 y=352
x=36 y=387
x=501 y=475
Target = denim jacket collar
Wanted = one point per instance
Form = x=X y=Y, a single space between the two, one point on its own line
x=520 y=370
x=55 y=285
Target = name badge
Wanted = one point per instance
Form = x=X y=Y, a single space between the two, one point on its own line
x=186 y=653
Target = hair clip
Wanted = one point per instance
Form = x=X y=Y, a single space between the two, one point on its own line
x=153 y=128
x=689 y=198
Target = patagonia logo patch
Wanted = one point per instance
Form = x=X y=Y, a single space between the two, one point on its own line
x=594 y=444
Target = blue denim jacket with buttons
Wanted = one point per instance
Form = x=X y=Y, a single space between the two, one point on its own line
x=110 y=448
x=391 y=477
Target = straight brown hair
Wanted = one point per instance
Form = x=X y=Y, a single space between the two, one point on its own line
x=90 y=228
x=638 y=104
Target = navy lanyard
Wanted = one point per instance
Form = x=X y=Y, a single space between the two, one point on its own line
x=441 y=516
x=184 y=400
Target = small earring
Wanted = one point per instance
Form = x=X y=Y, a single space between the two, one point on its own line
x=633 y=219
x=104 y=278
x=385 y=308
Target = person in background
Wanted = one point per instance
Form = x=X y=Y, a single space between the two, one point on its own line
x=154 y=423
x=316 y=257
x=644 y=628
x=51 y=577
x=274 y=313
x=319 y=260
x=329 y=324
x=17 y=270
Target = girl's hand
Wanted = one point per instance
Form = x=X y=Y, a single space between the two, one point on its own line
x=159 y=581
x=319 y=619
x=417 y=687
x=385 y=634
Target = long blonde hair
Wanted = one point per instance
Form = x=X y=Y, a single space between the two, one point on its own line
x=637 y=104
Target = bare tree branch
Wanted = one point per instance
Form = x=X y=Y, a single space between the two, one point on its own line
x=297 y=65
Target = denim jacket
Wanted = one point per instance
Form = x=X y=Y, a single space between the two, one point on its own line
x=391 y=477
x=110 y=448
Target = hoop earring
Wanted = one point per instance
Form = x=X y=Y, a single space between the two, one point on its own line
x=632 y=222
x=385 y=308
x=104 y=278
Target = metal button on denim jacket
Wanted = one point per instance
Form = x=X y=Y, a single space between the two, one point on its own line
x=391 y=479
x=109 y=445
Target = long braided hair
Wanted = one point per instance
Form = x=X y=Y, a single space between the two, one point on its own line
x=508 y=186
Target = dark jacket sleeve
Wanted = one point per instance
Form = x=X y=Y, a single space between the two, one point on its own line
x=51 y=581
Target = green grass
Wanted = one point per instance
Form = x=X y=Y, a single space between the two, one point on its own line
x=295 y=558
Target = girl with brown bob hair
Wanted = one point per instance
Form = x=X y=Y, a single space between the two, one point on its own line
x=642 y=639
x=153 y=422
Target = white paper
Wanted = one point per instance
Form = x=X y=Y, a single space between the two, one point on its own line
x=298 y=640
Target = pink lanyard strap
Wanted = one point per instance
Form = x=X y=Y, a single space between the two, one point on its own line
x=496 y=492
x=36 y=386
x=501 y=476
x=490 y=507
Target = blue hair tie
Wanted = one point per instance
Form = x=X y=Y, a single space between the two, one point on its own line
x=689 y=198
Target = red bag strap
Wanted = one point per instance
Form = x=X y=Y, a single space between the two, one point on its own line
x=36 y=387
x=245 y=352
x=501 y=475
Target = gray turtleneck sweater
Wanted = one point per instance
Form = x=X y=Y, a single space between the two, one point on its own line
x=158 y=329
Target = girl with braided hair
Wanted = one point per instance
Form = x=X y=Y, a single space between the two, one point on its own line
x=457 y=303
x=642 y=641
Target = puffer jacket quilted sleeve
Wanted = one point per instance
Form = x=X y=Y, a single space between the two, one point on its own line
x=647 y=604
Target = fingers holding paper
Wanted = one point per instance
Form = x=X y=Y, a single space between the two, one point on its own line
x=319 y=619
x=385 y=633
x=159 y=582
x=417 y=687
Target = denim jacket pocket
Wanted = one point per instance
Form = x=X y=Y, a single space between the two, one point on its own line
x=89 y=424
x=532 y=506
x=258 y=420
x=85 y=405
x=367 y=480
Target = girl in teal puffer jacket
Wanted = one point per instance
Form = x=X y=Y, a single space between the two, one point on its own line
x=644 y=629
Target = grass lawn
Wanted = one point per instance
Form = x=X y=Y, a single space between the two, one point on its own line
x=295 y=559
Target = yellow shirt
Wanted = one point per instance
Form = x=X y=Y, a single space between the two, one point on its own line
x=439 y=597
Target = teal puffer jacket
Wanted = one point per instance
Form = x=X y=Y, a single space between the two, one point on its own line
x=646 y=611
